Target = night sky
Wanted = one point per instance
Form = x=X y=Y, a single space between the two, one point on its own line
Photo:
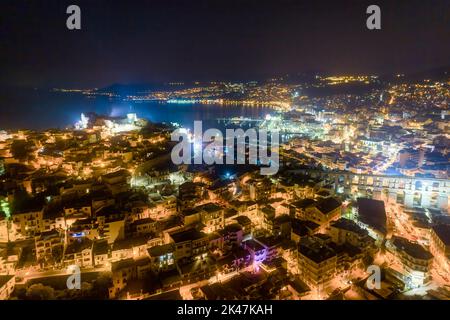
x=164 y=40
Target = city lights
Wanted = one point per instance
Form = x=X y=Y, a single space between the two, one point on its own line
x=249 y=153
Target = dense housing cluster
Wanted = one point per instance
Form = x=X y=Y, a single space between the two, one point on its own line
x=363 y=181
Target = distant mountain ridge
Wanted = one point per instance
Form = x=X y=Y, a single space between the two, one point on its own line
x=441 y=73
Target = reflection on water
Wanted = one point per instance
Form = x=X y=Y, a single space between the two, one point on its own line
x=41 y=110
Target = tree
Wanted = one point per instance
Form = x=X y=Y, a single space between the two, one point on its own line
x=100 y=287
x=21 y=293
x=40 y=292
x=57 y=254
x=20 y=149
x=83 y=293
x=368 y=260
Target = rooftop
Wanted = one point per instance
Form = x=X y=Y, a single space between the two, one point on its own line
x=349 y=225
x=143 y=221
x=79 y=245
x=121 y=264
x=186 y=235
x=303 y=227
x=4 y=279
x=232 y=228
x=372 y=213
x=168 y=295
x=316 y=251
x=116 y=174
x=243 y=220
x=160 y=250
x=443 y=232
x=254 y=245
x=100 y=247
x=412 y=249
x=130 y=242
x=270 y=241
x=327 y=205
x=210 y=207
x=304 y=203
x=46 y=235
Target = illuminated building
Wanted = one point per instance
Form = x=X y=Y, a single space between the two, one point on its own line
x=416 y=157
x=27 y=224
x=83 y=123
x=79 y=252
x=132 y=118
x=415 y=261
x=4 y=229
x=9 y=259
x=347 y=231
x=190 y=193
x=49 y=247
x=132 y=247
x=440 y=245
x=229 y=237
x=316 y=263
x=257 y=251
x=118 y=181
x=372 y=217
x=324 y=211
x=162 y=257
x=7 y=284
x=266 y=214
x=210 y=215
x=189 y=244
x=100 y=252
x=142 y=226
x=124 y=272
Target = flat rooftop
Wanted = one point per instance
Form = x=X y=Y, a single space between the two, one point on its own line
x=316 y=251
x=349 y=225
x=327 y=205
x=372 y=213
x=414 y=250
x=186 y=235
x=443 y=232
x=4 y=279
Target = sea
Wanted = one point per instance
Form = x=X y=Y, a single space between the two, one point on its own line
x=45 y=109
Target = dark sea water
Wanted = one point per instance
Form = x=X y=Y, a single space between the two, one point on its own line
x=37 y=109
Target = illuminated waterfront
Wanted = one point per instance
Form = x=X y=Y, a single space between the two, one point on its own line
x=43 y=109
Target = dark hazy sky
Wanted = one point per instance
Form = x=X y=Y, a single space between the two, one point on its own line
x=137 y=41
